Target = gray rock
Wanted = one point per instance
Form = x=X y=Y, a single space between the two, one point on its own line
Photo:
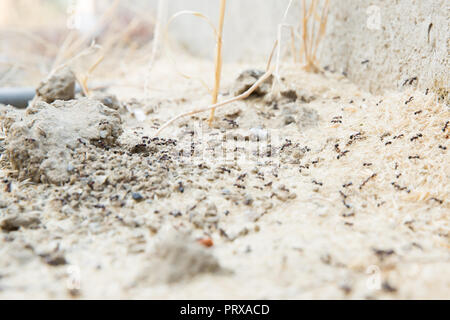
x=59 y=86
x=41 y=143
x=248 y=78
x=16 y=222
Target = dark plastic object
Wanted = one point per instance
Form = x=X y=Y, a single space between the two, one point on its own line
x=19 y=97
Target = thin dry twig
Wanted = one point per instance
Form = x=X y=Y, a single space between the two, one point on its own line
x=322 y=28
x=245 y=95
x=79 y=42
x=312 y=34
x=89 y=50
x=218 y=62
x=84 y=82
x=269 y=62
x=282 y=25
x=175 y=16
x=162 y=8
x=293 y=46
x=194 y=13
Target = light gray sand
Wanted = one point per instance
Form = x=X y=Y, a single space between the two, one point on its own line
x=341 y=194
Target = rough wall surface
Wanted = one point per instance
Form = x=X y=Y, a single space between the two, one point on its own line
x=383 y=44
x=379 y=44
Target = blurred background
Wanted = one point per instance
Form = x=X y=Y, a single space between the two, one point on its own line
x=37 y=35
x=378 y=44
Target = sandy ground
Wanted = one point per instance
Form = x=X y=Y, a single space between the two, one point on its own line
x=322 y=191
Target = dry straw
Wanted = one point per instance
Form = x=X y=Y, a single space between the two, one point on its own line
x=310 y=33
x=245 y=95
x=313 y=28
x=162 y=9
x=218 y=34
x=175 y=64
x=218 y=59
x=311 y=37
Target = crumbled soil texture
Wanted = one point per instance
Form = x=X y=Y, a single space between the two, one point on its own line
x=320 y=191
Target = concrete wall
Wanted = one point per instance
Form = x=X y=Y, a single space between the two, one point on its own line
x=382 y=43
x=378 y=43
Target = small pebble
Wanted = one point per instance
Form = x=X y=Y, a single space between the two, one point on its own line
x=137 y=196
x=288 y=120
x=176 y=214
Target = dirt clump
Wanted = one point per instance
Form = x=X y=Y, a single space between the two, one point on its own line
x=58 y=86
x=247 y=79
x=41 y=143
x=178 y=257
x=15 y=222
